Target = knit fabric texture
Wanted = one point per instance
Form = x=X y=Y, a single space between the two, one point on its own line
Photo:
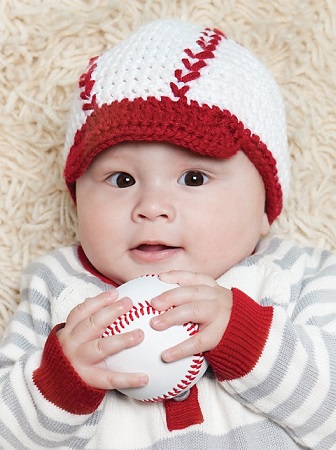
x=172 y=81
x=270 y=384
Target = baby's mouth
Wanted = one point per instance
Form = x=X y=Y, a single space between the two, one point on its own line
x=154 y=247
x=154 y=252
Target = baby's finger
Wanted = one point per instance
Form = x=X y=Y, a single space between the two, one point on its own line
x=201 y=312
x=95 y=324
x=182 y=295
x=106 y=379
x=185 y=278
x=192 y=346
x=97 y=350
x=89 y=307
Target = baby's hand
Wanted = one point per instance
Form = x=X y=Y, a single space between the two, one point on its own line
x=200 y=300
x=82 y=344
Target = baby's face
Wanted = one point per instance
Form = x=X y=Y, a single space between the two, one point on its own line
x=153 y=207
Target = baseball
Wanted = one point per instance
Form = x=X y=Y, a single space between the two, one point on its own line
x=166 y=380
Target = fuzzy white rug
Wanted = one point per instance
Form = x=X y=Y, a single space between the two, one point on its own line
x=44 y=47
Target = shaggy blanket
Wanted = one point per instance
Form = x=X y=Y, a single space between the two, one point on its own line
x=44 y=47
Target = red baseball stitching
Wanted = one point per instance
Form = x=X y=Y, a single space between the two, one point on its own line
x=145 y=308
x=208 y=43
x=86 y=85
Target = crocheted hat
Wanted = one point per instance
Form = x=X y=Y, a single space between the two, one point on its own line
x=176 y=82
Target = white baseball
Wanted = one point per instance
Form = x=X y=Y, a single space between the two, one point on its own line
x=166 y=380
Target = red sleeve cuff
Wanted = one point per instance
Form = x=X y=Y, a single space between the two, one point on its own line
x=244 y=339
x=59 y=383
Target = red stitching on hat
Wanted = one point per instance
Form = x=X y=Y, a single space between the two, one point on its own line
x=86 y=85
x=208 y=43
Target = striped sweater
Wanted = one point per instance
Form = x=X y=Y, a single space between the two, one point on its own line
x=271 y=382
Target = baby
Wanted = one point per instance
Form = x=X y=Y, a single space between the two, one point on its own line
x=176 y=157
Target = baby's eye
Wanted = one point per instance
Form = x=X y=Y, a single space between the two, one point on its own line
x=193 y=178
x=121 y=180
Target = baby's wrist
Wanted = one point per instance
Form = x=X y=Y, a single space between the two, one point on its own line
x=243 y=340
x=59 y=383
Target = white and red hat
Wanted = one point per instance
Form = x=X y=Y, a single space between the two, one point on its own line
x=176 y=82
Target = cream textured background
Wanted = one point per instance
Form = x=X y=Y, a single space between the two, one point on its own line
x=44 y=47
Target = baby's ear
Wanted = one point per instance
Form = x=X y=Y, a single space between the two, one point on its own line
x=265 y=226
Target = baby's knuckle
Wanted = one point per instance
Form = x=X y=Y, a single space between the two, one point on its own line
x=195 y=291
x=122 y=340
x=200 y=277
x=197 y=310
x=197 y=343
x=92 y=322
x=99 y=346
x=130 y=381
x=128 y=340
x=79 y=309
x=83 y=305
x=110 y=382
x=79 y=353
x=115 y=380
